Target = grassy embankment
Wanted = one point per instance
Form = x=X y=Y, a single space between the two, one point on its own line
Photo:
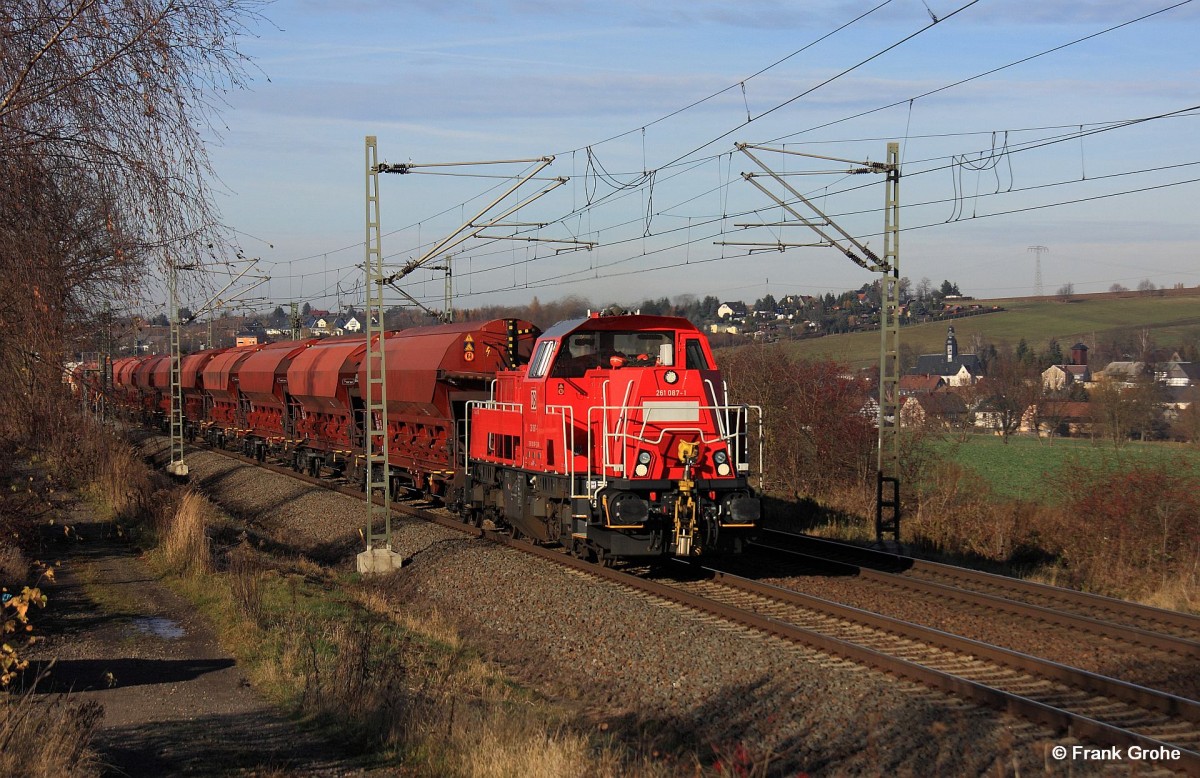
x=394 y=689
x=1171 y=318
x=1032 y=469
x=1123 y=522
x=404 y=689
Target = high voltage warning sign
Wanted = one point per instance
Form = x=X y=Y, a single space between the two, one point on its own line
x=469 y=348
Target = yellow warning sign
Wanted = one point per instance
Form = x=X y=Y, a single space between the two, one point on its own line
x=469 y=348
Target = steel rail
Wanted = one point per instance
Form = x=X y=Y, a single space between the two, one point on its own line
x=883 y=561
x=1151 y=699
x=1137 y=635
x=1077 y=725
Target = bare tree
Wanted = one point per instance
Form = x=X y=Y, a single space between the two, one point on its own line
x=1121 y=412
x=1187 y=423
x=103 y=170
x=1011 y=387
x=816 y=433
x=924 y=289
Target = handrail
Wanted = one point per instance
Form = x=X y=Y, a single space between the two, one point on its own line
x=566 y=411
x=712 y=390
x=491 y=405
x=622 y=436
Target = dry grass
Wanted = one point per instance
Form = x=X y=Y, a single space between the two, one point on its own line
x=1127 y=533
x=505 y=749
x=47 y=736
x=105 y=469
x=183 y=542
x=246 y=582
x=403 y=686
x=1180 y=593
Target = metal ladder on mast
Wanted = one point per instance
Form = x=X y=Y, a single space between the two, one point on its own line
x=177 y=466
x=375 y=392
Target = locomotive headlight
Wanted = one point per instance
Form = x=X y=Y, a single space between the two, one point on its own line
x=643 y=457
x=723 y=469
x=671 y=376
x=721 y=457
x=642 y=469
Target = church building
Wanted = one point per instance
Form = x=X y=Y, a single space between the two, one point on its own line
x=954 y=368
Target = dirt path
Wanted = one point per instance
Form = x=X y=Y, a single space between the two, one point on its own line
x=175 y=703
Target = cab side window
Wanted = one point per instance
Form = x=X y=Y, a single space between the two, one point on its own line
x=695 y=356
x=541 y=359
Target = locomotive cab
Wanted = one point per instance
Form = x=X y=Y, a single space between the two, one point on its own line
x=617 y=440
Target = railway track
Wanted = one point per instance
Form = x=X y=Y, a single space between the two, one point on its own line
x=1088 y=705
x=1165 y=729
x=1106 y=617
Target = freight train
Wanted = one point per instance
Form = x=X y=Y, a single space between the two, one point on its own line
x=611 y=435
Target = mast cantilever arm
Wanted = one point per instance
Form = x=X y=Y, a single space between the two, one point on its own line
x=470 y=229
x=217 y=296
x=408 y=167
x=871 y=257
x=415 y=301
x=871 y=167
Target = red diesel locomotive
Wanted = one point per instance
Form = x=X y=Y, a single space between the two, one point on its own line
x=611 y=435
x=616 y=440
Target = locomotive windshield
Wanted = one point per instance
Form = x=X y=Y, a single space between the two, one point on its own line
x=589 y=350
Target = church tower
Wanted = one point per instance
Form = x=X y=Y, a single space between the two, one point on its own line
x=951 y=346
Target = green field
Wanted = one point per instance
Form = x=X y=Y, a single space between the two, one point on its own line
x=1172 y=318
x=1029 y=468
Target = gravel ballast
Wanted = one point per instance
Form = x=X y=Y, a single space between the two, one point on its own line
x=654 y=676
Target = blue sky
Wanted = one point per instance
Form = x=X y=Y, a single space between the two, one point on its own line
x=454 y=82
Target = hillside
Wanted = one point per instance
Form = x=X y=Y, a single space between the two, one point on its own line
x=1173 y=317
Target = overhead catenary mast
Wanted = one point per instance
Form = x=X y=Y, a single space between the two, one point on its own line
x=177 y=466
x=378 y=555
x=887 y=495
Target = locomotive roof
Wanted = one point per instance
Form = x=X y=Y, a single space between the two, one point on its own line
x=623 y=323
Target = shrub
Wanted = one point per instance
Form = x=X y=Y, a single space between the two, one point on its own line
x=1129 y=531
x=816 y=437
x=959 y=514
